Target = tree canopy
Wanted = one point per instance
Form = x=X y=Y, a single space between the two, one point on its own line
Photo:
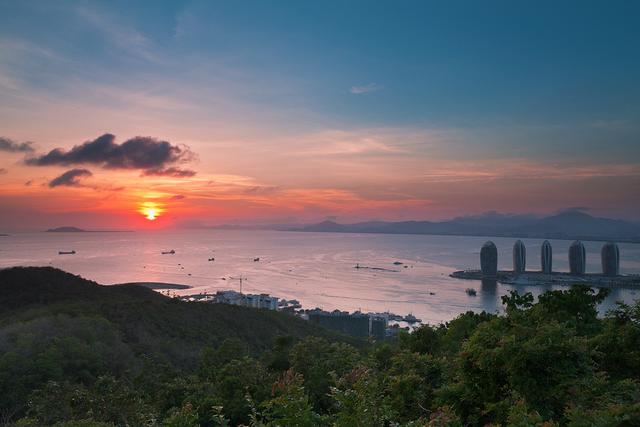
x=96 y=361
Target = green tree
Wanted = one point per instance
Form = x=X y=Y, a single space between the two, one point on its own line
x=359 y=400
x=289 y=405
x=320 y=362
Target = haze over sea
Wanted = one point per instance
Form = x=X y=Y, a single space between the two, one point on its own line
x=315 y=268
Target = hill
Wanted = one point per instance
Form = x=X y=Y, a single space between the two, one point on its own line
x=145 y=322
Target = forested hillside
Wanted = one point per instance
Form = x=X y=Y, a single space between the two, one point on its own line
x=73 y=353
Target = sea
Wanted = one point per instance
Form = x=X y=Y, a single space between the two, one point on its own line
x=407 y=274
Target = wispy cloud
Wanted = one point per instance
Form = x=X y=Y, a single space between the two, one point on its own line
x=364 y=141
x=368 y=88
x=523 y=170
x=14 y=49
x=171 y=172
x=124 y=37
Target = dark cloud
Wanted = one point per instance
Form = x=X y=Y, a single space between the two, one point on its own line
x=174 y=172
x=3 y=171
x=70 y=178
x=151 y=155
x=178 y=197
x=15 y=147
x=28 y=183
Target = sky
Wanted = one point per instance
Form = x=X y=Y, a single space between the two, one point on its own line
x=154 y=114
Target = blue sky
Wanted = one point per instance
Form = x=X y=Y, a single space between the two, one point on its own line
x=541 y=84
x=451 y=62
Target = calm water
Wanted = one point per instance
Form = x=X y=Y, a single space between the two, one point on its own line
x=315 y=268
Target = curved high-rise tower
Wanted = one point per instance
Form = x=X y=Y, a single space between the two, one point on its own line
x=489 y=260
x=577 y=258
x=610 y=259
x=546 y=257
x=519 y=257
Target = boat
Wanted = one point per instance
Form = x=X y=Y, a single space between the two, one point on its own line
x=66 y=252
x=256 y=259
x=212 y=259
x=471 y=292
x=171 y=252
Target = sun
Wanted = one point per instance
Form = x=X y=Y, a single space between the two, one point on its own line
x=150 y=210
x=150 y=213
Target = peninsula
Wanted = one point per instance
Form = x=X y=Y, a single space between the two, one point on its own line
x=157 y=285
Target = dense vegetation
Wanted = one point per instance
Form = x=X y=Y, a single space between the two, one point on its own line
x=73 y=353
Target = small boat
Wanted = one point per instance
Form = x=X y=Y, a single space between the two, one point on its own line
x=471 y=292
x=256 y=259
x=397 y=263
x=171 y=252
x=212 y=259
x=66 y=252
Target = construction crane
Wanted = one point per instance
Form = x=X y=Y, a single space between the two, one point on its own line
x=240 y=278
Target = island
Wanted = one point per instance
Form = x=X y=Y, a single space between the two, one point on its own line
x=68 y=229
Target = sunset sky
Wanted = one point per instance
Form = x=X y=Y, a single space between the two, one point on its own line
x=201 y=113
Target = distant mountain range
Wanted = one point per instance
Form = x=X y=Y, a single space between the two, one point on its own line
x=566 y=225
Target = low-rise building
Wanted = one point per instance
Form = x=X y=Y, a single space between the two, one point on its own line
x=248 y=300
x=261 y=301
x=356 y=324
